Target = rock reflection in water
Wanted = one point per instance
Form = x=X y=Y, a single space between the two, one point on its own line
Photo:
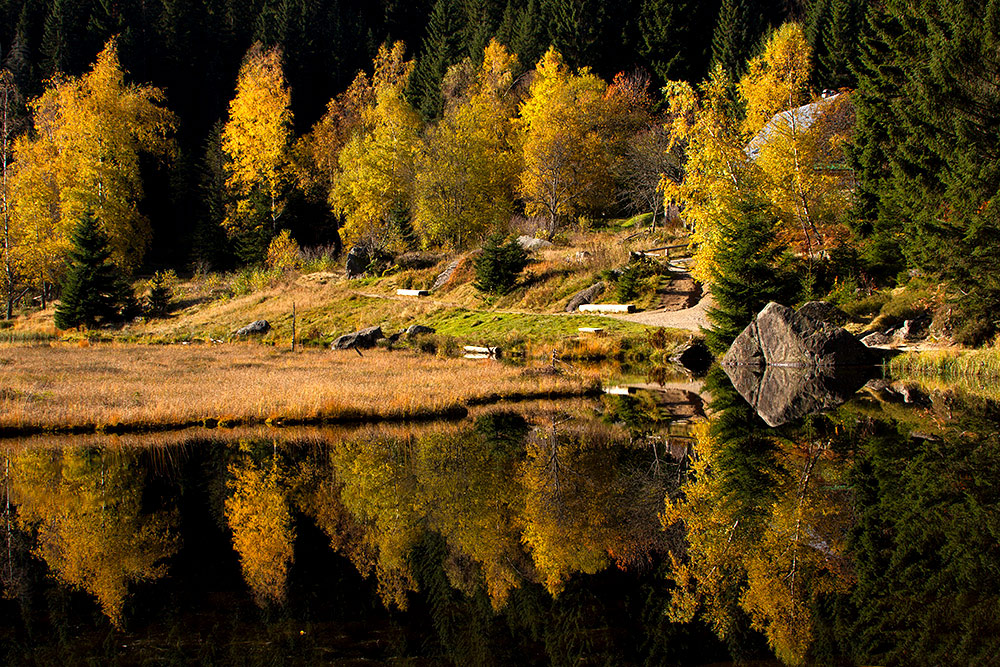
x=781 y=394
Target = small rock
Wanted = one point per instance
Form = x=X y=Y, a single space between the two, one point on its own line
x=254 y=328
x=364 y=339
x=694 y=356
x=911 y=330
x=419 y=329
x=876 y=338
x=530 y=243
x=584 y=296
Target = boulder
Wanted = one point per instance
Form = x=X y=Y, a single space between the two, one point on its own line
x=254 y=328
x=530 y=243
x=781 y=394
x=823 y=311
x=694 y=356
x=778 y=336
x=584 y=296
x=359 y=339
x=910 y=330
x=876 y=338
x=446 y=274
x=419 y=329
x=357 y=263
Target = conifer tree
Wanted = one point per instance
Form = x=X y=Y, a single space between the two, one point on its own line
x=499 y=265
x=745 y=278
x=440 y=49
x=95 y=290
x=736 y=31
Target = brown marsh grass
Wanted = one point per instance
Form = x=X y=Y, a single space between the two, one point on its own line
x=129 y=387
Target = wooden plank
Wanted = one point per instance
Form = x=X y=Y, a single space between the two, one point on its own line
x=607 y=308
x=412 y=292
x=476 y=350
x=590 y=329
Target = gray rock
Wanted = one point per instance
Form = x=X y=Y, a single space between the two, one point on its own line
x=357 y=263
x=910 y=331
x=876 y=338
x=530 y=243
x=823 y=311
x=446 y=274
x=781 y=394
x=779 y=336
x=419 y=329
x=694 y=356
x=584 y=296
x=254 y=328
x=359 y=339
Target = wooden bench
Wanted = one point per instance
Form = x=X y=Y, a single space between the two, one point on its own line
x=607 y=308
x=593 y=330
x=412 y=292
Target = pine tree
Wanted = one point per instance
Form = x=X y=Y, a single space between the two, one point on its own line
x=746 y=276
x=676 y=37
x=736 y=31
x=529 y=41
x=95 y=290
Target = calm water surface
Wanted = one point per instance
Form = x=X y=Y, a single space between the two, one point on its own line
x=621 y=530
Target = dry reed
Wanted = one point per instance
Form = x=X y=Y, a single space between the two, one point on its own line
x=126 y=388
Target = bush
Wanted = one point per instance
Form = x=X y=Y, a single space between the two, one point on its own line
x=630 y=281
x=499 y=265
x=283 y=253
x=160 y=293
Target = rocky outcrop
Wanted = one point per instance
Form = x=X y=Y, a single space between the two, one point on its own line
x=530 y=243
x=419 y=329
x=778 y=336
x=584 y=296
x=823 y=311
x=445 y=275
x=781 y=394
x=256 y=328
x=359 y=339
x=357 y=262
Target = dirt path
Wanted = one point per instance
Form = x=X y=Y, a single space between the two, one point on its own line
x=691 y=319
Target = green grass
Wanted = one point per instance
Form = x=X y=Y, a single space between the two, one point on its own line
x=974 y=367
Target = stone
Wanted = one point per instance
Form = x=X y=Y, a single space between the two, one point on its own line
x=910 y=330
x=256 y=328
x=584 y=296
x=781 y=394
x=419 y=330
x=446 y=274
x=357 y=262
x=876 y=338
x=530 y=243
x=694 y=356
x=364 y=339
x=778 y=336
x=823 y=311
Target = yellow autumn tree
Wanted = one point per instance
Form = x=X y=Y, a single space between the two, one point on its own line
x=703 y=123
x=256 y=139
x=84 y=156
x=466 y=167
x=376 y=165
x=777 y=79
x=564 y=140
x=93 y=532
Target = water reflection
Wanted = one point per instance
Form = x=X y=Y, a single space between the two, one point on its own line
x=624 y=530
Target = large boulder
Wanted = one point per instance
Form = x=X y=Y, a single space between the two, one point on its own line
x=530 y=243
x=445 y=275
x=823 y=311
x=778 y=336
x=358 y=260
x=359 y=339
x=256 y=328
x=584 y=296
x=781 y=394
x=694 y=356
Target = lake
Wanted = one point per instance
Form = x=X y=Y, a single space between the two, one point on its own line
x=673 y=524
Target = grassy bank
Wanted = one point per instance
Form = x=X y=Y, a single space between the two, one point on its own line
x=132 y=388
x=974 y=367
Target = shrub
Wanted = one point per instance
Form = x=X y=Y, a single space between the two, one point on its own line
x=160 y=293
x=632 y=276
x=283 y=253
x=499 y=265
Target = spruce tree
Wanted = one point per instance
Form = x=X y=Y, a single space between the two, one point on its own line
x=735 y=33
x=95 y=290
x=746 y=276
x=499 y=265
x=441 y=48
